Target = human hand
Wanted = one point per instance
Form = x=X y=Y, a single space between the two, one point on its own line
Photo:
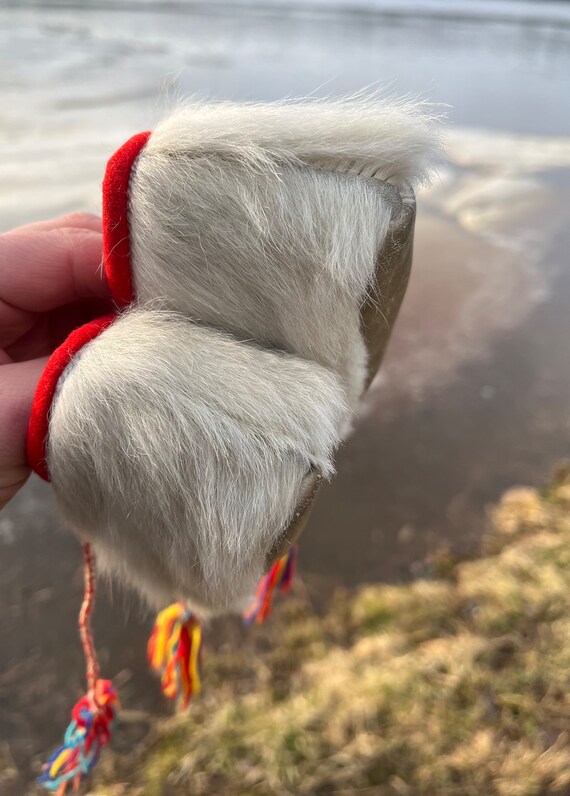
x=51 y=281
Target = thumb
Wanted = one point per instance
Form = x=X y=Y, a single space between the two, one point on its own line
x=17 y=386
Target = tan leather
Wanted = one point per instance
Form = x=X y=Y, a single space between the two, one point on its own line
x=380 y=310
x=297 y=524
x=377 y=317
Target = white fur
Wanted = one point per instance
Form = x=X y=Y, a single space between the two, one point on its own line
x=183 y=452
x=184 y=462
x=255 y=219
x=391 y=139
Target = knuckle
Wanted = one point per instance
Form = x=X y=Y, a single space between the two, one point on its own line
x=82 y=219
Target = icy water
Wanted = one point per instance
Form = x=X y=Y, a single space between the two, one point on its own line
x=475 y=392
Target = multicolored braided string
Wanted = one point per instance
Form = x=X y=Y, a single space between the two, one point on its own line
x=92 y=718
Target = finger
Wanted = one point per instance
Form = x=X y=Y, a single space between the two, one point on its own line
x=50 y=329
x=17 y=387
x=77 y=220
x=46 y=268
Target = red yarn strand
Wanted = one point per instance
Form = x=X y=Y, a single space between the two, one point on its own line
x=85 y=630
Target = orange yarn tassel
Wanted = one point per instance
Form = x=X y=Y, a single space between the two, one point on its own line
x=174 y=650
x=280 y=576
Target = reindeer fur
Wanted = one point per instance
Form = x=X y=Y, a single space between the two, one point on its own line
x=182 y=439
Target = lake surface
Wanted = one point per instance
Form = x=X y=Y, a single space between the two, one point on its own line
x=475 y=392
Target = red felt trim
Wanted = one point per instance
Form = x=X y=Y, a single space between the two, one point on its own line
x=59 y=360
x=116 y=259
x=116 y=246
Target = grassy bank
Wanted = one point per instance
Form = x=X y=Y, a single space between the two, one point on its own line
x=457 y=684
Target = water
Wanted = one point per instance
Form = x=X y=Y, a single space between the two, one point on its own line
x=475 y=392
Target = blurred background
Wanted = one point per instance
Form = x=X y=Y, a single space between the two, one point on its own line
x=474 y=394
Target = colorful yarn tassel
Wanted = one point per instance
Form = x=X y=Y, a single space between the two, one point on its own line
x=88 y=732
x=174 y=650
x=92 y=717
x=280 y=576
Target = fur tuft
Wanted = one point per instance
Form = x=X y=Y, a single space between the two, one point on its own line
x=394 y=140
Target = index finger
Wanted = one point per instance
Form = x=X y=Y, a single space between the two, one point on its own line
x=77 y=219
x=44 y=268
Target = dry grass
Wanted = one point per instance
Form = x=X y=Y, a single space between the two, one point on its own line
x=456 y=685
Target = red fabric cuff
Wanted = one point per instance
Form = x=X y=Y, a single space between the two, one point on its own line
x=59 y=360
x=116 y=259
x=116 y=244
